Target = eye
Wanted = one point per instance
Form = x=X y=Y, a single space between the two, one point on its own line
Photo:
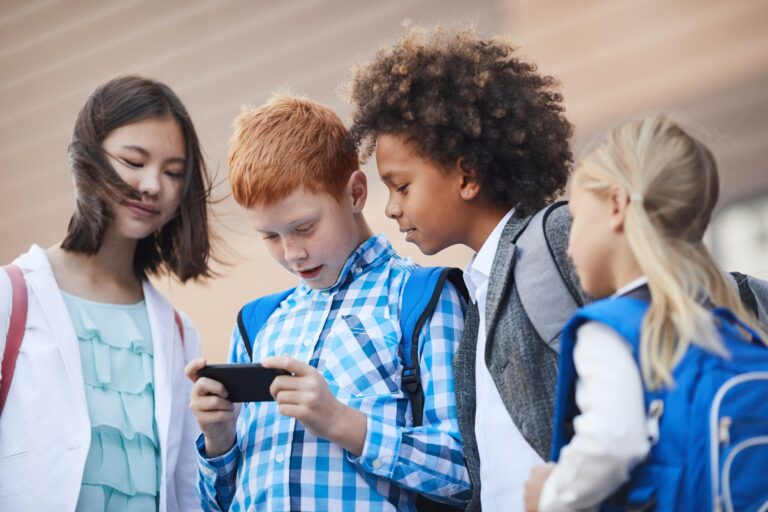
x=269 y=236
x=303 y=230
x=174 y=174
x=401 y=189
x=131 y=163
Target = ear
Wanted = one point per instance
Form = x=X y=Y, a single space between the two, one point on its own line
x=469 y=186
x=619 y=202
x=357 y=190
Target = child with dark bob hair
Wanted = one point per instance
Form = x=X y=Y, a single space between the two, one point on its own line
x=471 y=142
x=98 y=414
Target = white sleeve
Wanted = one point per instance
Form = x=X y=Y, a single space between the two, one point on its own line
x=610 y=432
x=186 y=467
x=6 y=299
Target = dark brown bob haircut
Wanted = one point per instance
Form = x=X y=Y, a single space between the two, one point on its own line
x=182 y=246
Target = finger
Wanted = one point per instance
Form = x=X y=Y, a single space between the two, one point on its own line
x=206 y=386
x=282 y=383
x=288 y=397
x=292 y=410
x=288 y=364
x=205 y=418
x=212 y=403
x=191 y=369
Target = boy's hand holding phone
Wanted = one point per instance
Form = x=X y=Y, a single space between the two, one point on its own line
x=214 y=413
x=305 y=396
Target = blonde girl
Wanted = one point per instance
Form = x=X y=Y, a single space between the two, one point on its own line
x=641 y=202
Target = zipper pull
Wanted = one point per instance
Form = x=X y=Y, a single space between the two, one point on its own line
x=655 y=411
x=724 y=430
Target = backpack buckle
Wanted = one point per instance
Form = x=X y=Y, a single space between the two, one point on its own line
x=410 y=380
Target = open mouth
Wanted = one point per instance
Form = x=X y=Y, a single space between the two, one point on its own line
x=310 y=273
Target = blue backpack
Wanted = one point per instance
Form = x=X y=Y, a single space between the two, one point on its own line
x=711 y=451
x=420 y=296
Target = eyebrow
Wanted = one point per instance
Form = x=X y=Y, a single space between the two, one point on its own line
x=144 y=152
x=389 y=175
x=312 y=217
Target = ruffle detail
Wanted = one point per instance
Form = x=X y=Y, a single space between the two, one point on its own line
x=128 y=466
x=96 y=497
x=122 y=468
x=129 y=415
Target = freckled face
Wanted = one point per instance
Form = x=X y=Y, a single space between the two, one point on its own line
x=591 y=244
x=424 y=198
x=310 y=234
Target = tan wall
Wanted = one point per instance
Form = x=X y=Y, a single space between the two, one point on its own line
x=218 y=56
x=705 y=58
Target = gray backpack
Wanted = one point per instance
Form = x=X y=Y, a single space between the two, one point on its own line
x=550 y=303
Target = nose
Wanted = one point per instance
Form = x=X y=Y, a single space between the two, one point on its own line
x=149 y=184
x=293 y=250
x=392 y=209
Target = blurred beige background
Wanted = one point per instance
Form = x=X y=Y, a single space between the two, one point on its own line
x=706 y=60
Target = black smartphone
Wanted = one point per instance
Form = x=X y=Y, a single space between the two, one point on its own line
x=246 y=382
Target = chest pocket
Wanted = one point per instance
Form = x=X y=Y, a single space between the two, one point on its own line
x=360 y=357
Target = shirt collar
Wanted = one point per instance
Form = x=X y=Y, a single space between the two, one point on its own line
x=369 y=254
x=480 y=264
x=635 y=283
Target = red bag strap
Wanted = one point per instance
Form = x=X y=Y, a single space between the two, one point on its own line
x=15 y=330
x=179 y=324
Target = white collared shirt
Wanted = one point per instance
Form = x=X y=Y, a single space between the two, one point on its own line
x=506 y=458
x=611 y=433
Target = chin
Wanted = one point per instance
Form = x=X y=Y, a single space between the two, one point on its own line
x=433 y=248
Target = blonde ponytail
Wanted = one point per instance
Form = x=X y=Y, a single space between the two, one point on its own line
x=671 y=180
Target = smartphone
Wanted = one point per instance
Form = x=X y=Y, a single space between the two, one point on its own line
x=247 y=382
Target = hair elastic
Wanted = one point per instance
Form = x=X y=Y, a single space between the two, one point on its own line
x=636 y=196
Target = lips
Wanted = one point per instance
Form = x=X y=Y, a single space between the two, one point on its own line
x=143 y=210
x=310 y=273
x=408 y=232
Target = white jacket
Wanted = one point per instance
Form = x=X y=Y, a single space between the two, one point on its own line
x=45 y=430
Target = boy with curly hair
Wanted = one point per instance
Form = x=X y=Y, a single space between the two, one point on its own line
x=471 y=142
x=340 y=434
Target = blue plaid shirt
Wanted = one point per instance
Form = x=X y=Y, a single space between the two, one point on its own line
x=351 y=333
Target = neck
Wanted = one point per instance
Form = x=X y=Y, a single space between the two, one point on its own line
x=481 y=221
x=363 y=230
x=626 y=268
x=113 y=263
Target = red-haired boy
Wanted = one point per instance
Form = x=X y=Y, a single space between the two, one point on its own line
x=340 y=434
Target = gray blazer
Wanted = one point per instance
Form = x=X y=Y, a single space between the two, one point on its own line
x=523 y=366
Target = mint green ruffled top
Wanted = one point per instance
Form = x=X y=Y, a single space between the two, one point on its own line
x=122 y=471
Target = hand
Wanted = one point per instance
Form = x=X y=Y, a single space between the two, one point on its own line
x=539 y=475
x=305 y=396
x=214 y=413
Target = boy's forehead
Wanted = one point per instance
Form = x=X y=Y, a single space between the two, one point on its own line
x=296 y=207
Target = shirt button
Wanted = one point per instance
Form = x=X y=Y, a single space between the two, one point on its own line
x=376 y=464
x=307 y=342
x=484 y=474
x=358 y=270
x=279 y=458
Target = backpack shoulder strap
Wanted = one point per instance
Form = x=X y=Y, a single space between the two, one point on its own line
x=179 y=324
x=420 y=296
x=15 y=330
x=254 y=315
x=540 y=281
x=746 y=294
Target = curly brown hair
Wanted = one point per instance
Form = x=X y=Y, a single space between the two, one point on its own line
x=456 y=95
